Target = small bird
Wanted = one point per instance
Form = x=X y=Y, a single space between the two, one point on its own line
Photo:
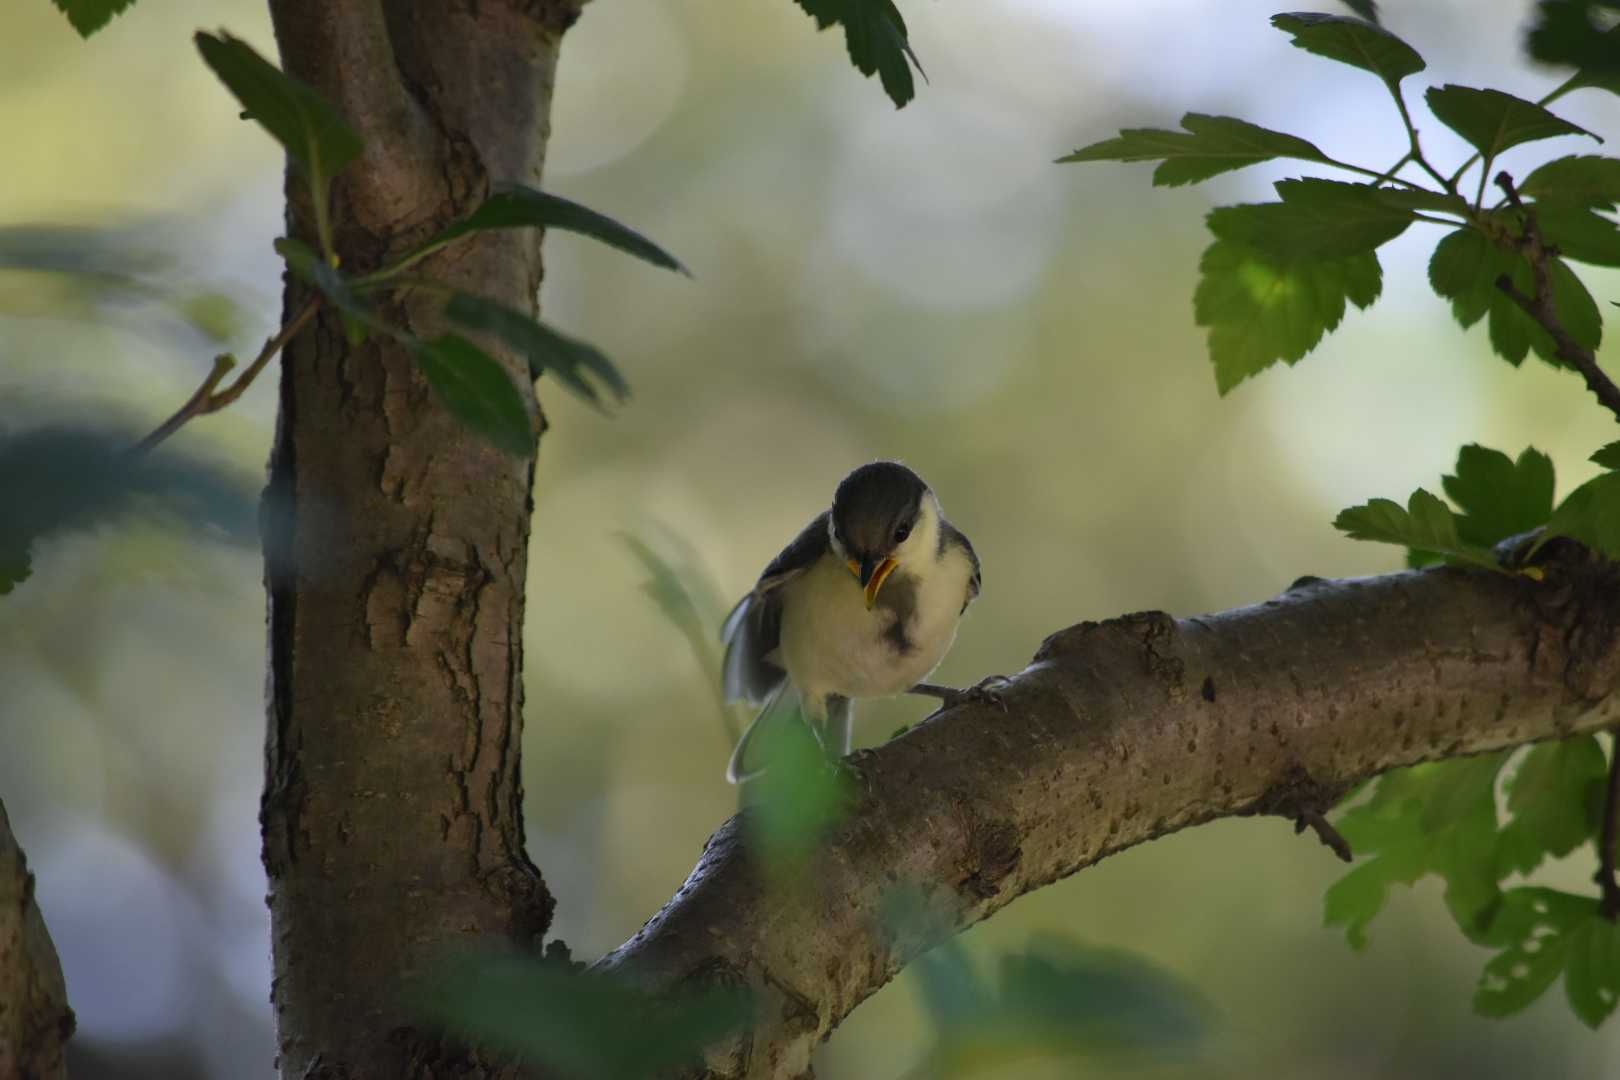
x=863 y=603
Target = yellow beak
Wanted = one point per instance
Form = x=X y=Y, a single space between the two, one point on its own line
x=875 y=582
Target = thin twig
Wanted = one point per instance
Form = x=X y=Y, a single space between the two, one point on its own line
x=205 y=400
x=1543 y=310
x=1325 y=832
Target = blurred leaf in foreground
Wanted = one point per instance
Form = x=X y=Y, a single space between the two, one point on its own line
x=581 y=1025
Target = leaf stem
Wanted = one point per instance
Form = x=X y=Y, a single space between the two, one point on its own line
x=206 y=400
x=1607 y=881
x=1415 y=152
x=1542 y=309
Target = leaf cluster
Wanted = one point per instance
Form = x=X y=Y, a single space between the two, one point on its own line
x=470 y=383
x=1442 y=819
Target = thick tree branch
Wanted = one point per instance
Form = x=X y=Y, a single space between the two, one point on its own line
x=1543 y=309
x=35 y=1020
x=1123 y=731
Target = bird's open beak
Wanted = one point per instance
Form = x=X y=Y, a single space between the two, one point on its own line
x=872 y=574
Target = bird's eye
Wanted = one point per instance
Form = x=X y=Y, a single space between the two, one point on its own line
x=901 y=533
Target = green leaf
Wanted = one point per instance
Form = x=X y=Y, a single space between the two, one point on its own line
x=304 y=123
x=1429 y=819
x=88 y=16
x=1576 y=180
x=1317 y=219
x=1465 y=268
x=1354 y=42
x=1500 y=497
x=1534 y=927
x=15 y=565
x=1260 y=308
x=477 y=390
x=1592 y=971
x=515 y=206
x=1580 y=234
x=584 y=1025
x=1591 y=515
x=1566 y=33
x=547 y=350
x=1426 y=524
x=1367 y=9
x=1555 y=798
x=1210 y=145
x=1493 y=121
x=875 y=35
x=797 y=798
x=1423 y=199
x=1608 y=457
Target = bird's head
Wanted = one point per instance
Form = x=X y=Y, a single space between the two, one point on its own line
x=883 y=516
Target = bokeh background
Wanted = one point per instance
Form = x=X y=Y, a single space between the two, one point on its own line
x=922 y=284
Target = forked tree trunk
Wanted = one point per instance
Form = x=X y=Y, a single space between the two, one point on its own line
x=396 y=549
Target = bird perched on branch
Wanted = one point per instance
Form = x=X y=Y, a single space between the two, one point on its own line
x=863 y=603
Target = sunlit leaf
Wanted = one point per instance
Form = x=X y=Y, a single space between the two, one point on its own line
x=1592 y=971
x=1555 y=798
x=1260 y=308
x=478 y=391
x=1493 y=121
x=1426 y=523
x=1352 y=41
x=1591 y=514
x=1210 y=145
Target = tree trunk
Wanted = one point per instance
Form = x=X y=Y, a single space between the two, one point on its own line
x=35 y=1020
x=1120 y=732
x=395 y=549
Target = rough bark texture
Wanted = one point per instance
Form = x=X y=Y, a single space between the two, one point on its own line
x=35 y=1020
x=396 y=549
x=1120 y=732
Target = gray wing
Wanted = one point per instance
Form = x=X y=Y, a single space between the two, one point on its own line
x=753 y=630
x=950 y=534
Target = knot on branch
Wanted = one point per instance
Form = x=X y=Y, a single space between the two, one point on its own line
x=1301 y=798
x=1150 y=639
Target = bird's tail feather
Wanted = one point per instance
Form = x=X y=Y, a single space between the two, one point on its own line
x=780 y=707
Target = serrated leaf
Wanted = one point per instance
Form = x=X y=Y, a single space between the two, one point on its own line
x=1500 y=497
x=1210 y=145
x=1316 y=220
x=1429 y=819
x=1492 y=121
x=579 y=1025
x=477 y=390
x=1555 y=798
x=875 y=35
x=88 y=16
x=1580 y=234
x=1352 y=41
x=309 y=128
x=515 y=206
x=1608 y=456
x=1260 y=308
x=1576 y=180
x=1591 y=515
x=568 y=360
x=1423 y=199
x=1565 y=33
x=1592 y=971
x=1534 y=928
x=1464 y=270
x=1426 y=523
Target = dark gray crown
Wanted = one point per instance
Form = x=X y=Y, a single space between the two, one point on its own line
x=872 y=503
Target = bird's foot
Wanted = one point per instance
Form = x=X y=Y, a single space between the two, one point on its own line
x=987 y=691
